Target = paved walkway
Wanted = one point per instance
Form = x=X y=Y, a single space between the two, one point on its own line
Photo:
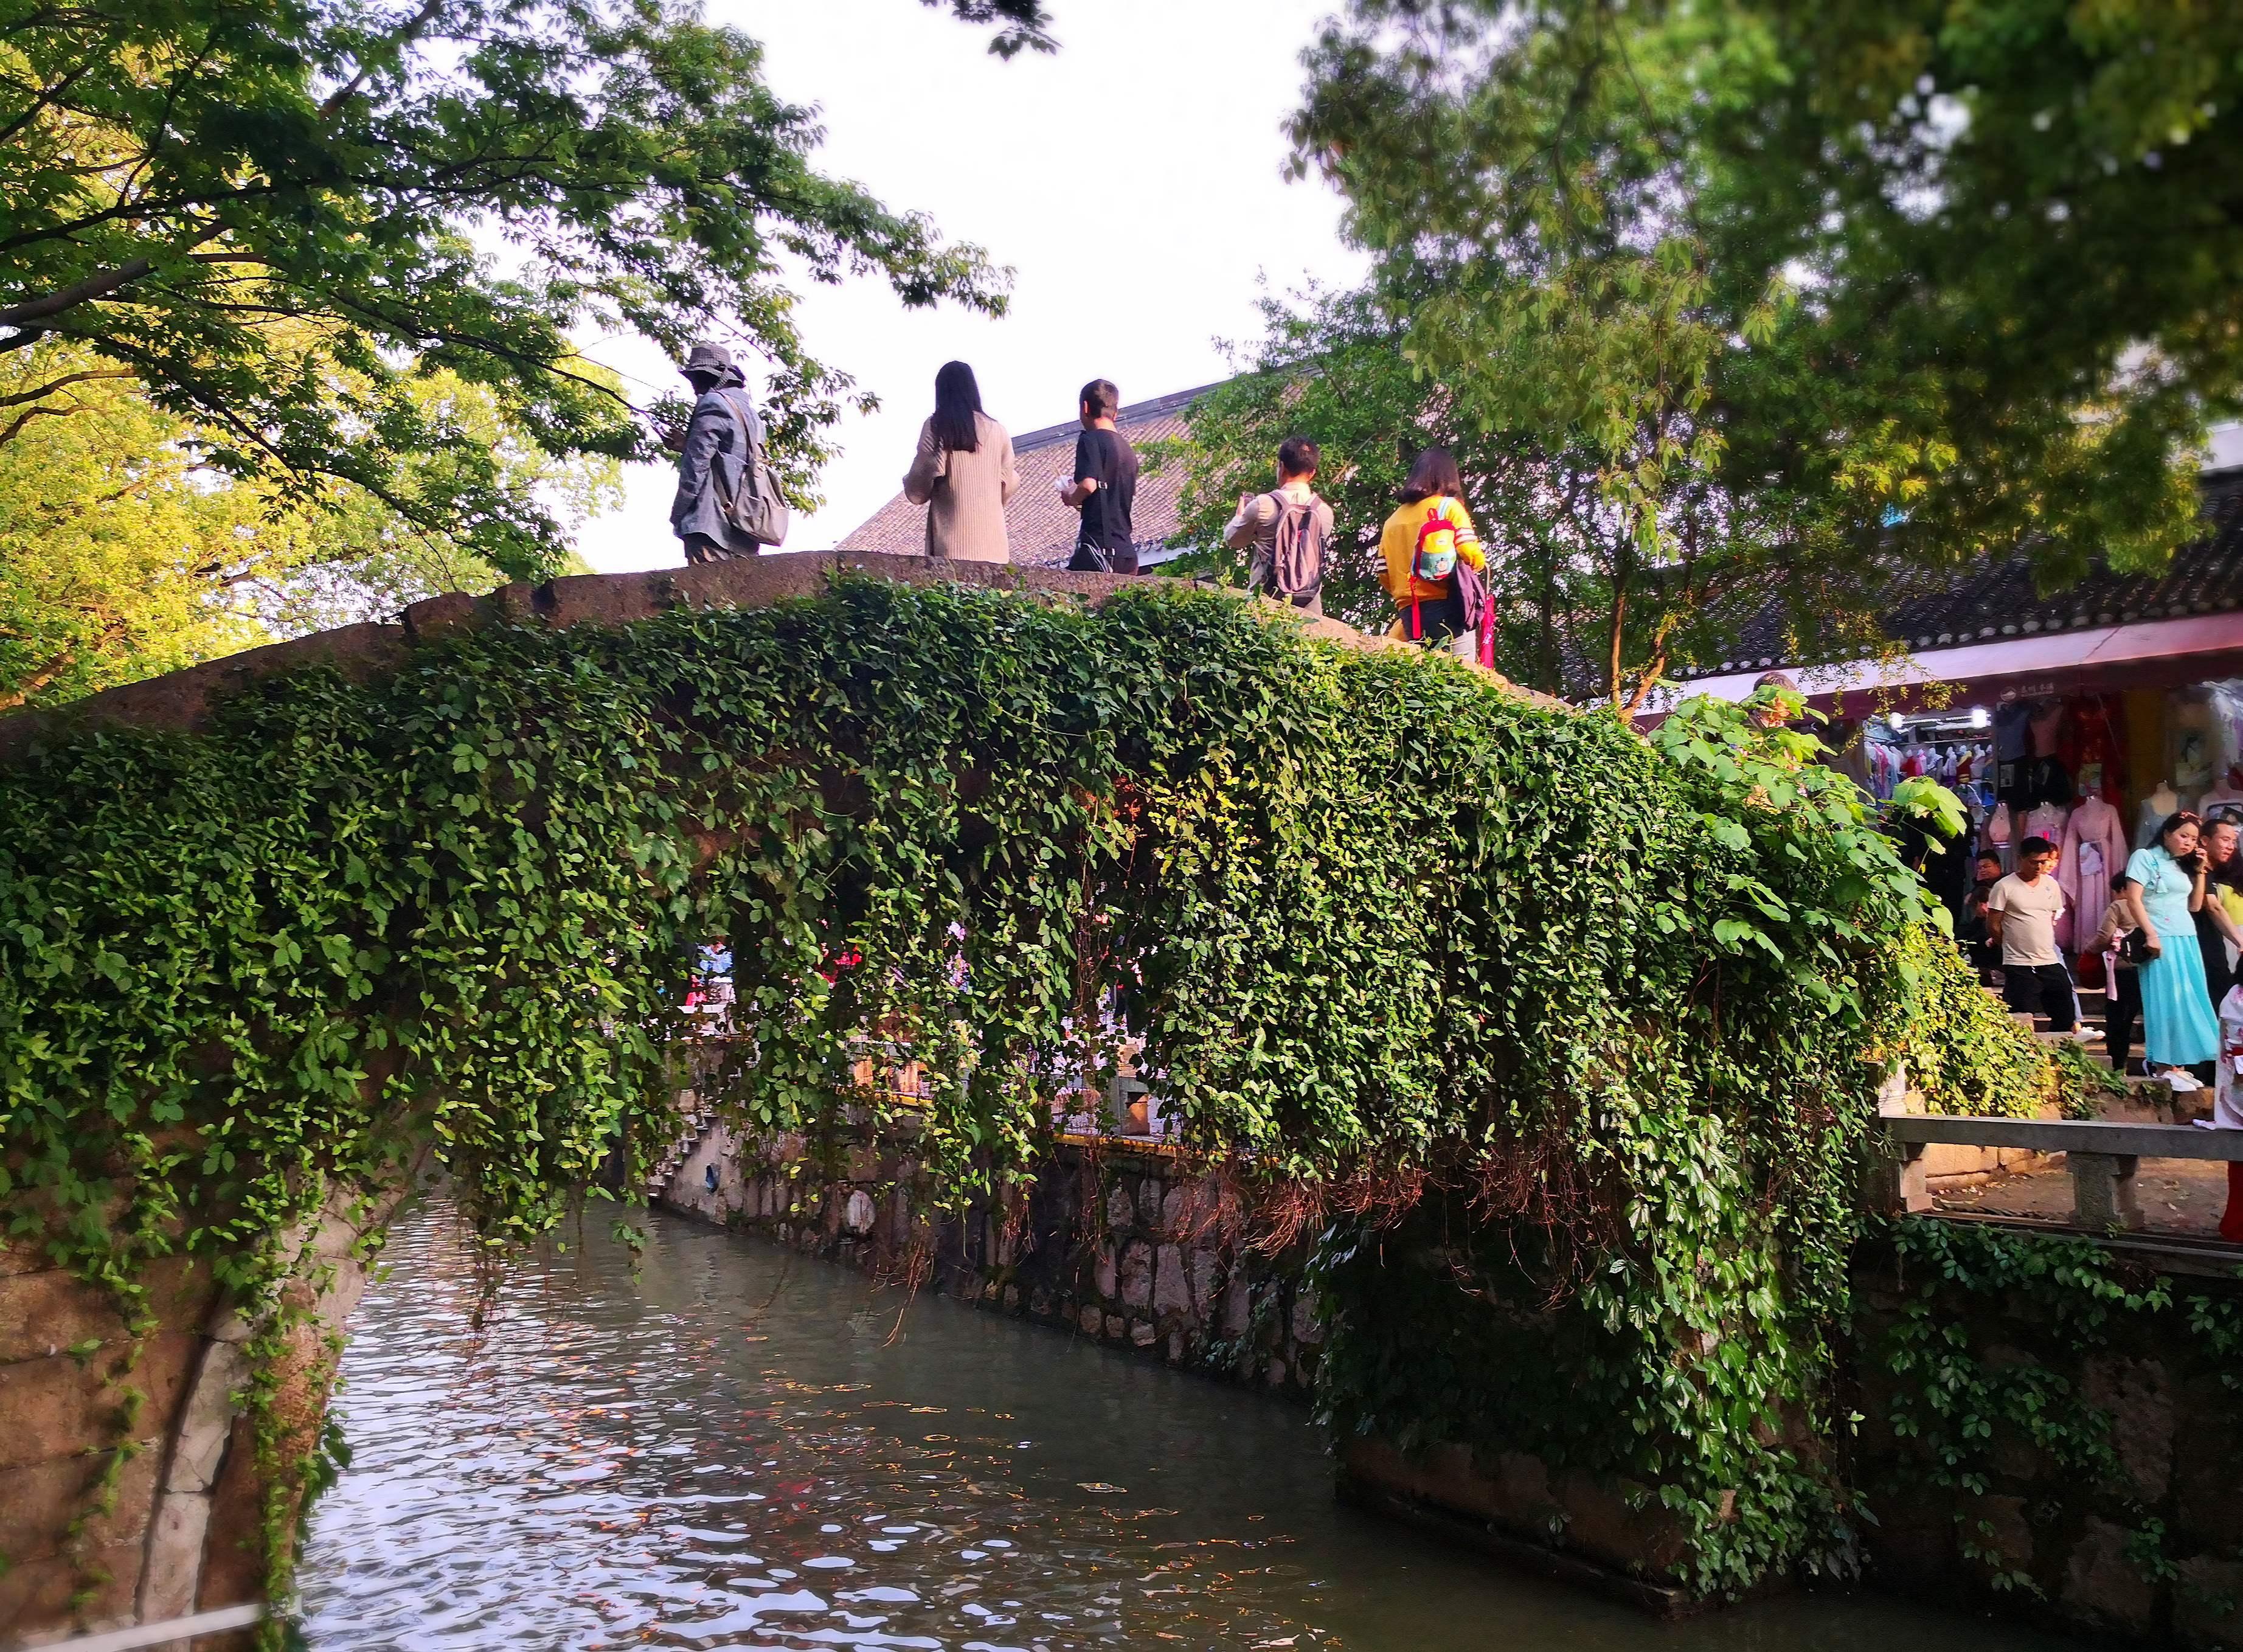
x=2179 y=1196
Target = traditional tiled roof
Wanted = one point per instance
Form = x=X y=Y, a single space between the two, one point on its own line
x=1041 y=529
x=1987 y=601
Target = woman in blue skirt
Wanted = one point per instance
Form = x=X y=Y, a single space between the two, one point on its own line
x=2164 y=888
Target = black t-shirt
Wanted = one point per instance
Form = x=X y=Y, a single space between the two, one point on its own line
x=1103 y=457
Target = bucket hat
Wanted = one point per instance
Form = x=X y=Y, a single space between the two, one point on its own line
x=708 y=358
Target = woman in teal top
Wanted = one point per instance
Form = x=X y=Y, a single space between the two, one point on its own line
x=2165 y=887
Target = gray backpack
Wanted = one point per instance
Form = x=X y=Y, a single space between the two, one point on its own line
x=756 y=508
x=1296 y=556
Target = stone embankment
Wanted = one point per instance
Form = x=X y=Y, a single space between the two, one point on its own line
x=130 y=1456
x=1123 y=1241
x=1118 y=1241
x=1127 y=1243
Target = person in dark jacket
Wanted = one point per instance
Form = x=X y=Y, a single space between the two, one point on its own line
x=1972 y=930
x=713 y=462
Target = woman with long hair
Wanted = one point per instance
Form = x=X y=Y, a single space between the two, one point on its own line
x=963 y=473
x=2163 y=890
x=1422 y=544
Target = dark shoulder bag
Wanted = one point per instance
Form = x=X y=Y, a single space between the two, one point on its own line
x=756 y=507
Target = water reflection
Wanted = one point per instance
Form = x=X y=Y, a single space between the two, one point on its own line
x=741 y=1449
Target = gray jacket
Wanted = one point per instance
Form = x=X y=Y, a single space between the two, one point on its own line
x=713 y=466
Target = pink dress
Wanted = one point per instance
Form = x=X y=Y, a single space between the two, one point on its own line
x=2094 y=852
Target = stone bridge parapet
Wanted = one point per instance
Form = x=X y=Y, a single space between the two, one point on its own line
x=183 y=700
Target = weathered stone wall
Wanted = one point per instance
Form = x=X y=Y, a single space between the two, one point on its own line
x=1118 y=1242
x=2154 y=1556
x=1124 y=1243
x=177 y=1527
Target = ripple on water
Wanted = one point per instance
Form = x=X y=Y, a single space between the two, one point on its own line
x=729 y=1448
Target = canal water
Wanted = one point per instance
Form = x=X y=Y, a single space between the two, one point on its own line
x=731 y=1446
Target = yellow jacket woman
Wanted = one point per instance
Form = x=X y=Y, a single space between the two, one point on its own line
x=1421 y=544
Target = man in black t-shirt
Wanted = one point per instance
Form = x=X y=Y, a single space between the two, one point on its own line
x=1105 y=486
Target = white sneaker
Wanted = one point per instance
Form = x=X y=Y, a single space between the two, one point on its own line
x=2182 y=1084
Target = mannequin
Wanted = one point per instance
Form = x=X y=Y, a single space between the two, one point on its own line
x=1998 y=835
x=2048 y=821
x=2094 y=852
x=2227 y=792
x=2155 y=807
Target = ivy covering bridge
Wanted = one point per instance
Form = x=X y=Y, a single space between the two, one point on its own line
x=1594 y=1021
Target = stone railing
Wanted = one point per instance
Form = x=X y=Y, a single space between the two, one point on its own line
x=2102 y=1156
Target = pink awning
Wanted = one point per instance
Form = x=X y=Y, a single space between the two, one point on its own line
x=2162 y=653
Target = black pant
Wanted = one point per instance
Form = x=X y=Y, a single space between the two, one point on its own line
x=1100 y=559
x=2218 y=977
x=2039 y=989
x=1438 y=619
x=2122 y=1008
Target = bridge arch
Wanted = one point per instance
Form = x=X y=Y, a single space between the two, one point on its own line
x=277 y=930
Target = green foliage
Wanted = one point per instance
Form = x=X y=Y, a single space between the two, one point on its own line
x=1779 y=301
x=1383 y=927
x=278 y=219
x=1962 y=1049
x=1988 y=1351
x=122 y=557
x=1674 y=1231
x=2081 y=1083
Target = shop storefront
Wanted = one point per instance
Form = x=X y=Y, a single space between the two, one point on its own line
x=2084 y=716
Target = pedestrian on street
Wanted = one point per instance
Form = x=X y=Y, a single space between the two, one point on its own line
x=1284 y=533
x=1422 y=544
x=2221 y=869
x=1973 y=931
x=1104 y=488
x=963 y=473
x=717 y=458
x=2178 y=1028
x=2021 y=914
x=2122 y=975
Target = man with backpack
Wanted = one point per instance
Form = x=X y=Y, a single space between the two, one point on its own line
x=1284 y=532
x=728 y=502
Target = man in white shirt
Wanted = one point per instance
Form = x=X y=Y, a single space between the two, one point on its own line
x=1255 y=528
x=2021 y=914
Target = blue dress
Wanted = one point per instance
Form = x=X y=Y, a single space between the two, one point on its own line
x=2178 y=1028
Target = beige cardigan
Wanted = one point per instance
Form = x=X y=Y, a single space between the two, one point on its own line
x=964 y=493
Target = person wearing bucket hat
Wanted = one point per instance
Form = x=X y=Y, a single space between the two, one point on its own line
x=720 y=438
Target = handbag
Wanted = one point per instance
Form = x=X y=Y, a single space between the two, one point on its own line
x=1480 y=611
x=2134 y=947
x=756 y=507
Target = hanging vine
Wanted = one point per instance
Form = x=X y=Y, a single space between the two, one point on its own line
x=1388 y=933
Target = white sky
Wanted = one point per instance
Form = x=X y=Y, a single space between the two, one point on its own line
x=1132 y=182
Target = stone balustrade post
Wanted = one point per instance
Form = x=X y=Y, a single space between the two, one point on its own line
x=2103 y=1191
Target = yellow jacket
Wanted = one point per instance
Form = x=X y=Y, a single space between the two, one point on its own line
x=1398 y=544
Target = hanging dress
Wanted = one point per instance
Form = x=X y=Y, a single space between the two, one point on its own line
x=2178 y=1025
x=2094 y=850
